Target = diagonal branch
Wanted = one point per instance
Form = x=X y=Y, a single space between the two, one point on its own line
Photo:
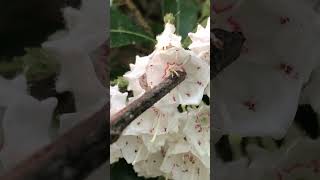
x=124 y=117
x=74 y=155
x=222 y=57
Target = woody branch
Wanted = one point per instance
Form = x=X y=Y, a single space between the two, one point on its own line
x=74 y=155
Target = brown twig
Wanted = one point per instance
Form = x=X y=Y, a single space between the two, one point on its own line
x=124 y=117
x=138 y=16
x=226 y=53
x=73 y=156
x=222 y=57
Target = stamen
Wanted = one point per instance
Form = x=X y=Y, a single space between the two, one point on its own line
x=135 y=159
x=156 y=129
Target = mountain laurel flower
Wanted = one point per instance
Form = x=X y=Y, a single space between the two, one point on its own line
x=197 y=129
x=201 y=42
x=184 y=165
x=288 y=162
x=163 y=141
x=277 y=39
x=118 y=100
x=168 y=39
x=136 y=76
x=23 y=119
x=164 y=63
x=258 y=95
x=155 y=121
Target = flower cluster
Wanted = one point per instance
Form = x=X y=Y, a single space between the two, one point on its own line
x=164 y=141
x=259 y=94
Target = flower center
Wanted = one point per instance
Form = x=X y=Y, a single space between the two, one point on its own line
x=172 y=68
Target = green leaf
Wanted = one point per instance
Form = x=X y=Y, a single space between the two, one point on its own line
x=186 y=14
x=121 y=82
x=124 y=32
x=187 y=41
x=9 y=68
x=37 y=64
x=205 y=11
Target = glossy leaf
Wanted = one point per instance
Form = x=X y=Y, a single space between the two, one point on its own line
x=185 y=12
x=124 y=32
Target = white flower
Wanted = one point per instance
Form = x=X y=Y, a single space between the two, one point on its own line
x=26 y=125
x=154 y=124
x=168 y=39
x=86 y=31
x=163 y=141
x=245 y=105
x=165 y=62
x=131 y=149
x=150 y=167
x=87 y=27
x=197 y=129
x=118 y=100
x=181 y=144
x=291 y=162
x=184 y=166
x=136 y=76
x=69 y=120
x=25 y=121
x=201 y=42
x=82 y=80
x=115 y=153
x=276 y=36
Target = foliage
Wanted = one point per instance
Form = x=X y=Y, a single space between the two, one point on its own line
x=37 y=64
x=123 y=32
x=126 y=29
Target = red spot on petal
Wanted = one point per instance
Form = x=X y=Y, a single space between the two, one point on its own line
x=234 y=24
x=250 y=105
x=286 y=68
x=199 y=143
x=289 y=70
x=219 y=10
x=245 y=49
x=198 y=127
x=284 y=20
x=151 y=130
